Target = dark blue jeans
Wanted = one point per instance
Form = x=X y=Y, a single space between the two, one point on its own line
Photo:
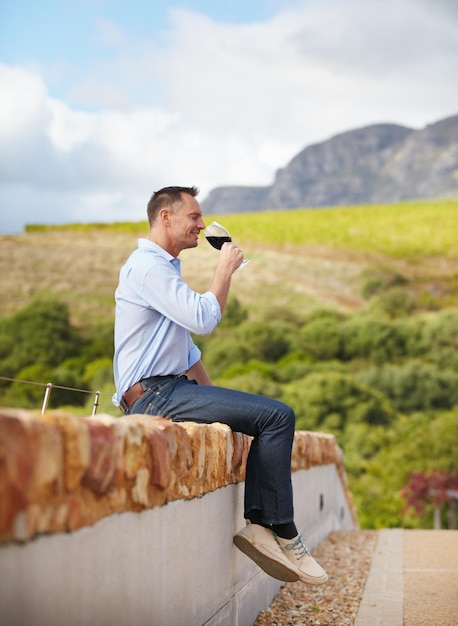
x=268 y=488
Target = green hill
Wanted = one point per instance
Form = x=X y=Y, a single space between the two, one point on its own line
x=301 y=259
x=350 y=315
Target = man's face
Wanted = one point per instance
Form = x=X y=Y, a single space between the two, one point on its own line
x=186 y=223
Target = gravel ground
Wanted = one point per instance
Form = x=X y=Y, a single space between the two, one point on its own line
x=346 y=556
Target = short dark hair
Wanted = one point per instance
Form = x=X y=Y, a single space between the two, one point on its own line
x=167 y=197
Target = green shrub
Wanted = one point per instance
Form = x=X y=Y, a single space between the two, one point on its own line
x=252 y=382
x=40 y=333
x=414 y=386
x=100 y=342
x=234 y=313
x=322 y=337
x=98 y=374
x=31 y=396
x=294 y=365
x=380 y=278
x=394 y=303
x=421 y=443
x=331 y=400
x=220 y=354
x=438 y=338
x=371 y=338
x=268 y=340
x=323 y=313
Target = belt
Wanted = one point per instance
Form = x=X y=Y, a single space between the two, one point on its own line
x=139 y=389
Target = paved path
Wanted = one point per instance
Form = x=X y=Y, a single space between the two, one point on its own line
x=413 y=580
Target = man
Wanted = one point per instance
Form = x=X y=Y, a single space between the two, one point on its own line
x=158 y=370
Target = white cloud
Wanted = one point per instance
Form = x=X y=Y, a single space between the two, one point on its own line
x=209 y=103
x=108 y=34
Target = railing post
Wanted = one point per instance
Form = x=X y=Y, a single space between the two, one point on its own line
x=452 y=515
x=46 y=398
x=437 y=518
x=96 y=403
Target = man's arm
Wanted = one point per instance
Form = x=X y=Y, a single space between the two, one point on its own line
x=199 y=373
x=229 y=260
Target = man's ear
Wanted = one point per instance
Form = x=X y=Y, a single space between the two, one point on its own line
x=164 y=216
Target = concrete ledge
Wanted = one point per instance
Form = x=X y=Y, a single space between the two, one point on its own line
x=130 y=521
x=174 y=564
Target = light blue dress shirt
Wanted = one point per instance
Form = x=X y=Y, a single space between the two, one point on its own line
x=155 y=313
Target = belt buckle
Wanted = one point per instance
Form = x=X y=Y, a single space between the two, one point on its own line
x=123 y=404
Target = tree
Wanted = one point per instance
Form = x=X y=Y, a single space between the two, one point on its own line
x=331 y=400
x=368 y=337
x=414 y=385
x=322 y=337
x=31 y=396
x=38 y=334
x=422 y=442
x=268 y=340
x=433 y=488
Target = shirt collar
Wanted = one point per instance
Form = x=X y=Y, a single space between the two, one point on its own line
x=148 y=244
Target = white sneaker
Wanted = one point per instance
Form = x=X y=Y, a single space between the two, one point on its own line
x=296 y=552
x=260 y=545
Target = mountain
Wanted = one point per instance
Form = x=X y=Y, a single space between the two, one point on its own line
x=375 y=164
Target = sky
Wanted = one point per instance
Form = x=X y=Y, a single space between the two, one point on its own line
x=103 y=102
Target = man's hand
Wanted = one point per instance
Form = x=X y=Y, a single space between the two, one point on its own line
x=230 y=256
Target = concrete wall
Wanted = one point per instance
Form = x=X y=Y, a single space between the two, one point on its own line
x=171 y=564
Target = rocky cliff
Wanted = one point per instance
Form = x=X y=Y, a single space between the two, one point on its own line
x=375 y=164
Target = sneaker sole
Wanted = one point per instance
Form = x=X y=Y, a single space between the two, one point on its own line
x=310 y=580
x=274 y=568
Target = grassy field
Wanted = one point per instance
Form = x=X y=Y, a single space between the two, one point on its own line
x=406 y=230
x=301 y=258
x=402 y=230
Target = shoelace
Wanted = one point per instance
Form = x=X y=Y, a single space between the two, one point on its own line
x=299 y=548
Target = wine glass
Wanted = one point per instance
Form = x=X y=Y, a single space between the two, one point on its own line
x=217 y=235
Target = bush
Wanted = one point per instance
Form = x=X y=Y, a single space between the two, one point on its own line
x=394 y=303
x=372 y=338
x=268 y=340
x=234 y=314
x=414 y=386
x=322 y=338
x=98 y=374
x=225 y=352
x=100 y=343
x=294 y=365
x=285 y=315
x=40 y=333
x=424 y=442
x=323 y=313
x=252 y=382
x=379 y=279
x=438 y=338
x=331 y=400
x=31 y=396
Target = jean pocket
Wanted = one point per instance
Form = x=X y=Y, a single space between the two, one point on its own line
x=158 y=397
x=151 y=402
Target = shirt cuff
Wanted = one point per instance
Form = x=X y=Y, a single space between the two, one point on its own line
x=216 y=309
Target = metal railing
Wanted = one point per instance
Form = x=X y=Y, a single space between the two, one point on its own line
x=50 y=386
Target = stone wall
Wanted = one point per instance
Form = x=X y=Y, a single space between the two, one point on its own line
x=85 y=538
x=60 y=472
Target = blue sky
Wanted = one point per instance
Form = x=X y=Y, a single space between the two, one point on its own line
x=46 y=30
x=104 y=101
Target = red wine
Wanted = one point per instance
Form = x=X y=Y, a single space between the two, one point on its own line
x=217 y=242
